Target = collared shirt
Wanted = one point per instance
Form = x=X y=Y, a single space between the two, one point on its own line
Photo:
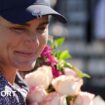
x=12 y=95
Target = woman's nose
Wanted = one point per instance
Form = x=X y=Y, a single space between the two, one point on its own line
x=32 y=41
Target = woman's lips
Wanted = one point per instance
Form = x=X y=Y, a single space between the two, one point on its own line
x=25 y=54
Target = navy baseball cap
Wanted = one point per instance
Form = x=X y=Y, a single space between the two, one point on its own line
x=20 y=11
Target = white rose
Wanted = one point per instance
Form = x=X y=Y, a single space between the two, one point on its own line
x=67 y=85
x=54 y=99
x=98 y=101
x=41 y=77
x=84 y=98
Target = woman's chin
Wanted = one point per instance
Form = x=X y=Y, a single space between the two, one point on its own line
x=26 y=67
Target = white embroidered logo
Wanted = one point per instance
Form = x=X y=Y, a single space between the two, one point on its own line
x=7 y=92
x=37 y=13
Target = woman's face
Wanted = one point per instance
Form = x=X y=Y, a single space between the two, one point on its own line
x=20 y=45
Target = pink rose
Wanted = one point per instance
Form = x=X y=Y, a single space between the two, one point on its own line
x=54 y=99
x=34 y=103
x=68 y=71
x=36 y=94
x=84 y=98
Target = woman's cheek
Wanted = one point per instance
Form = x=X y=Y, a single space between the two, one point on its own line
x=44 y=39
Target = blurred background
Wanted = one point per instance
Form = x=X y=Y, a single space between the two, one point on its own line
x=84 y=38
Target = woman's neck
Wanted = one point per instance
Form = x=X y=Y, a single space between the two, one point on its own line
x=9 y=75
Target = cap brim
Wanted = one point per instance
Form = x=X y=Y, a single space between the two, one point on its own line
x=45 y=10
x=21 y=15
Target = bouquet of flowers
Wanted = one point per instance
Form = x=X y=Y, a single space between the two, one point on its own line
x=54 y=81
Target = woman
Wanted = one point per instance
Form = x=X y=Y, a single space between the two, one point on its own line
x=23 y=35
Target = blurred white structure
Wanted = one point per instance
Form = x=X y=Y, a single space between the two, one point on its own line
x=99 y=23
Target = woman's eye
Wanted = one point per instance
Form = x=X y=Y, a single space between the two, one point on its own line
x=41 y=29
x=19 y=30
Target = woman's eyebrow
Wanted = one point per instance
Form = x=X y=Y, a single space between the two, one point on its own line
x=21 y=25
x=28 y=24
x=44 y=23
x=41 y=24
x=25 y=24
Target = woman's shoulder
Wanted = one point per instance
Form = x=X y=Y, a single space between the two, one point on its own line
x=4 y=91
x=8 y=94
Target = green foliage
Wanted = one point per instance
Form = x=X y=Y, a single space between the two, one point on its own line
x=57 y=42
x=80 y=73
x=62 y=56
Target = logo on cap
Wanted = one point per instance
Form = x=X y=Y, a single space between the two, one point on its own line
x=37 y=13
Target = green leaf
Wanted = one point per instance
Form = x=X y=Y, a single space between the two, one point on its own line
x=61 y=64
x=66 y=64
x=80 y=73
x=56 y=54
x=57 y=42
x=64 y=55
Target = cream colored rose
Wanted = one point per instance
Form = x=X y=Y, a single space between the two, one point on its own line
x=67 y=85
x=41 y=77
x=84 y=98
x=54 y=99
